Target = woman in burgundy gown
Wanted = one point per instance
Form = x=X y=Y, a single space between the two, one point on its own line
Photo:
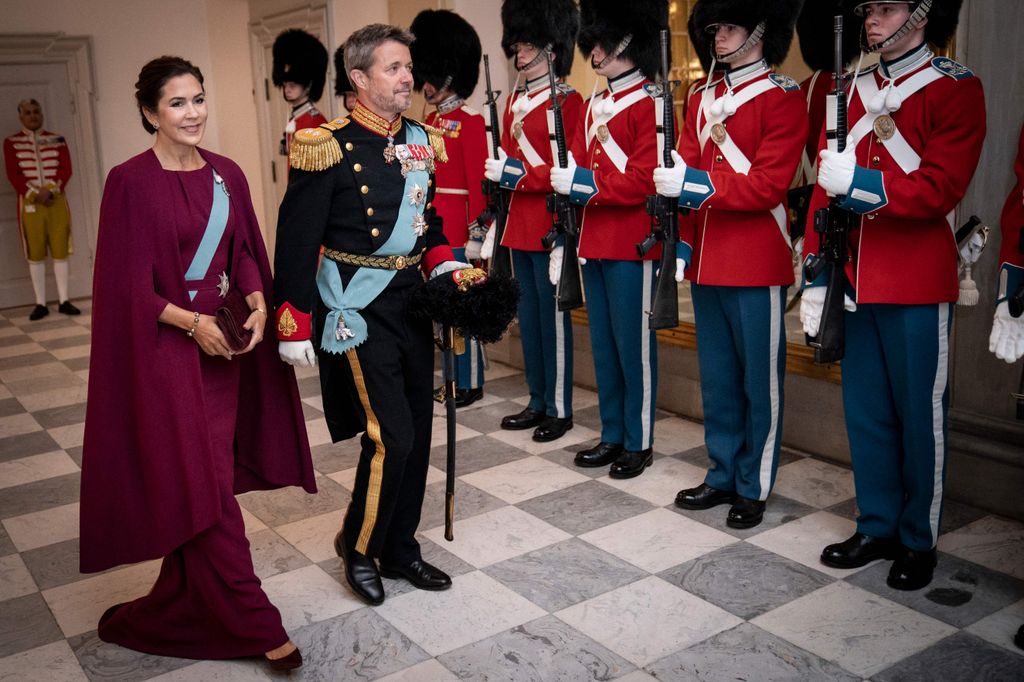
x=177 y=424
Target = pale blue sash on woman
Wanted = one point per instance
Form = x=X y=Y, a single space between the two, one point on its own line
x=345 y=328
x=215 y=227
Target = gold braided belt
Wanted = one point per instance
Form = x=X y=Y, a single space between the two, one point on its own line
x=378 y=262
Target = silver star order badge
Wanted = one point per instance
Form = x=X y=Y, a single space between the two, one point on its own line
x=223 y=285
x=419 y=224
x=417 y=195
x=389 y=152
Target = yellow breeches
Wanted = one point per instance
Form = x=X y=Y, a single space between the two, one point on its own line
x=47 y=226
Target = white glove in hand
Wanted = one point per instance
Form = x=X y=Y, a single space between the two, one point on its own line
x=448 y=266
x=668 y=182
x=297 y=353
x=835 y=170
x=1007 y=338
x=971 y=251
x=555 y=265
x=561 y=178
x=487 y=248
x=680 y=269
x=812 y=302
x=473 y=249
x=494 y=167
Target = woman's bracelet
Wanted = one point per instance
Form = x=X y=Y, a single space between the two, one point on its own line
x=195 y=324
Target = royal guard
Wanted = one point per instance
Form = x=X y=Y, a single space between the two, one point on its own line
x=533 y=30
x=38 y=166
x=616 y=147
x=1007 y=337
x=446 y=65
x=342 y=87
x=916 y=127
x=300 y=70
x=738 y=151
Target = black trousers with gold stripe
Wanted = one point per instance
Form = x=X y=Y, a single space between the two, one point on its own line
x=392 y=373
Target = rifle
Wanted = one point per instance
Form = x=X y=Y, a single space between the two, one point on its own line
x=497 y=198
x=447 y=344
x=664 y=214
x=833 y=225
x=570 y=289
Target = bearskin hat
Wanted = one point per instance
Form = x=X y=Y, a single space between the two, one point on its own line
x=341 y=81
x=943 y=18
x=701 y=42
x=300 y=58
x=779 y=17
x=608 y=22
x=814 y=29
x=483 y=311
x=542 y=22
x=446 y=47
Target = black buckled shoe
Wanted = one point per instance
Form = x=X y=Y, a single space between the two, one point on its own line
x=419 y=573
x=745 y=513
x=912 y=569
x=631 y=463
x=463 y=396
x=527 y=419
x=360 y=572
x=39 y=312
x=600 y=455
x=703 y=497
x=68 y=308
x=552 y=429
x=858 y=550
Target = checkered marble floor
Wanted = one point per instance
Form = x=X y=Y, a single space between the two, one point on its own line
x=560 y=573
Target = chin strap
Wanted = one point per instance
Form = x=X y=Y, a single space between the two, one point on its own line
x=753 y=39
x=913 y=22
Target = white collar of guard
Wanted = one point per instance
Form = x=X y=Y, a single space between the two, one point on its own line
x=746 y=73
x=908 y=63
x=625 y=81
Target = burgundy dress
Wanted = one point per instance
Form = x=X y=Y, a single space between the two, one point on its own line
x=207 y=602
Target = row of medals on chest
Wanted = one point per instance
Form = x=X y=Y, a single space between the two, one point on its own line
x=417 y=195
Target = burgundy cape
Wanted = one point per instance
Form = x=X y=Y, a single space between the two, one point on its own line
x=148 y=478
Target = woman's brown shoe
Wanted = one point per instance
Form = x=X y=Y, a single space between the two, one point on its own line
x=289 y=661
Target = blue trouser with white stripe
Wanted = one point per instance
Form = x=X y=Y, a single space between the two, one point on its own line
x=625 y=349
x=741 y=349
x=546 y=335
x=469 y=367
x=895 y=398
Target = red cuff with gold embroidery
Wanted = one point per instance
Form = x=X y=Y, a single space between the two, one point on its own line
x=435 y=256
x=293 y=324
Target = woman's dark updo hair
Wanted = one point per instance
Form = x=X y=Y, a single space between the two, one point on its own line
x=152 y=79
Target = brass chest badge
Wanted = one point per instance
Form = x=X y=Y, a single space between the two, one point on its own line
x=602 y=133
x=884 y=127
x=718 y=133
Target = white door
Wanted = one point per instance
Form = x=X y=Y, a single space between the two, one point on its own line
x=47 y=84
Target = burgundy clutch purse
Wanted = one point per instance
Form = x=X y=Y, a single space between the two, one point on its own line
x=231 y=315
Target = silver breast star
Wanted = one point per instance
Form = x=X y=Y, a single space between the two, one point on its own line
x=223 y=285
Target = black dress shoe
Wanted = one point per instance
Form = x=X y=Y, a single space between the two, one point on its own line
x=703 y=497
x=68 y=308
x=39 y=312
x=552 y=429
x=419 y=573
x=858 y=550
x=360 y=572
x=290 y=662
x=745 y=513
x=912 y=570
x=631 y=463
x=467 y=396
x=526 y=419
x=600 y=455
x=1018 y=639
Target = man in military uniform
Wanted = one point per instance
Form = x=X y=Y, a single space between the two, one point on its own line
x=739 y=149
x=39 y=167
x=917 y=123
x=300 y=70
x=1007 y=338
x=362 y=187
x=446 y=66
x=531 y=31
x=617 y=147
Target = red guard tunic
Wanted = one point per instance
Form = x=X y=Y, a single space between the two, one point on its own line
x=737 y=227
x=529 y=141
x=908 y=185
x=1012 y=221
x=621 y=180
x=458 y=196
x=303 y=116
x=814 y=88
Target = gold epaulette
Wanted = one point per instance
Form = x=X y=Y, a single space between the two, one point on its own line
x=314 y=149
x=337 y=124
x=436 y=137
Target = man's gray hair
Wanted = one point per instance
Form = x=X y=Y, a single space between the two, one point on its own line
x=360 y=45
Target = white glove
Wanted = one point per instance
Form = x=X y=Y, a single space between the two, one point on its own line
x=448 y=266
x=812 y=302
x=668 y=182
x=1007 y=337
x=971 y=251
x=473 y=249
x=680 y=269
x=494 y=167
x=561 y=178
x=297 y=353
x=835 y=170
x=487 y=248
x=555 y=265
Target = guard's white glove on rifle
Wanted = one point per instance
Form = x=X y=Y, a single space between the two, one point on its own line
x=493 y=168
x=474 y=247
x=835 y=170
x=487 y=248
x=680 y=270
x=297 y=353
x=561 y=178
x=1007 y=338
x=555 y=265
x=668 y=182
x=812 y=303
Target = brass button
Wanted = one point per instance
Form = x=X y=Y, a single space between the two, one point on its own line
x=595 y=165
x=375 y=232
x=718 y=158
x=369 y=211
x=364 y=189
x=878 y=140
x=430 y=182
x=875 y=160
x=871 y=216
x=357 y=167
x=597 y=152
x=348 y=146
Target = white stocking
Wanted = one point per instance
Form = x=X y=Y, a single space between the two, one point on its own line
x=60 y=273
x=37 y=271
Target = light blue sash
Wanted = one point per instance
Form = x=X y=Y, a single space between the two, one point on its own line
x=215 y=227
x=345 y=328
